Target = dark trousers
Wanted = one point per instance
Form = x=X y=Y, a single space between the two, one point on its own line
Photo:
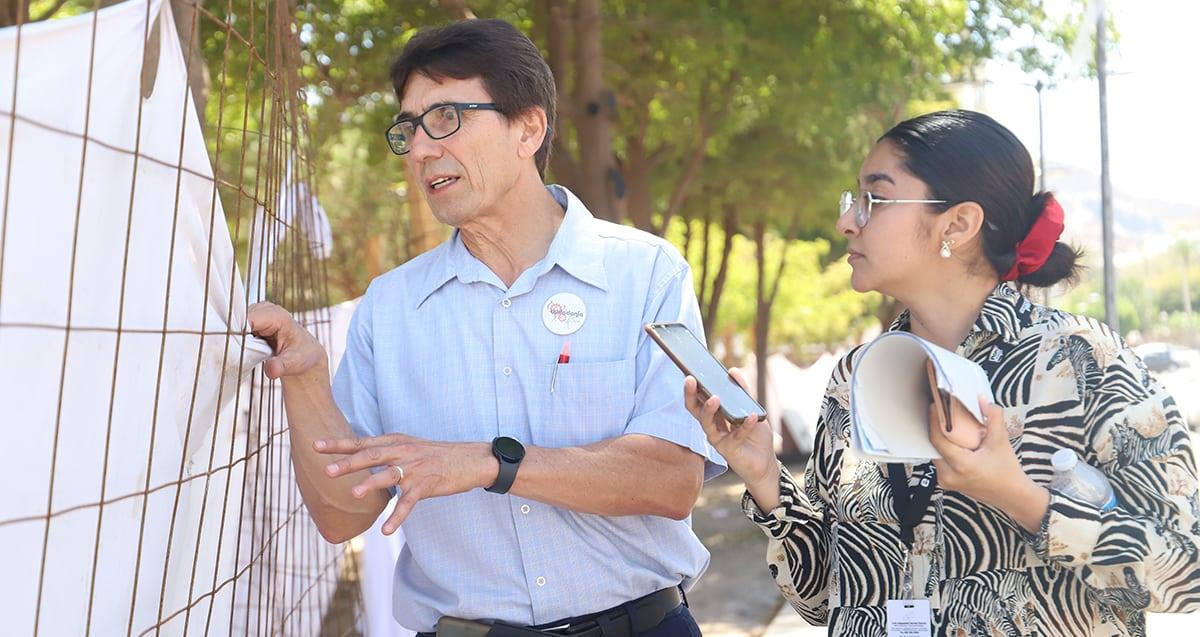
x=616 y=622
x=677 y=623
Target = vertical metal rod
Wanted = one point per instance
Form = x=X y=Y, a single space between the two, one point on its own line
x=1110 y=274
x=1041 y=138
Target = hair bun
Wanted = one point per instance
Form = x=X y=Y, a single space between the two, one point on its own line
x=1063 y=262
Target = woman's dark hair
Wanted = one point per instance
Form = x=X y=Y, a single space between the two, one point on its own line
x=967 y=156
x=511 y=67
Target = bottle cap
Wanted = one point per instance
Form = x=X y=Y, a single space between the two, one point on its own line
x=1064 y=460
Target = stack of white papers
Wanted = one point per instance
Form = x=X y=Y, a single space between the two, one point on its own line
x=890 y=396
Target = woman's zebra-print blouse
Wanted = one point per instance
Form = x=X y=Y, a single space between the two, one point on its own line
x=1064 y=382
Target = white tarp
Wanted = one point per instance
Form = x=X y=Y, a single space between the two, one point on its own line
x=142 y=420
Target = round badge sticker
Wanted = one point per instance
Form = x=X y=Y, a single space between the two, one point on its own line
x=564 y=313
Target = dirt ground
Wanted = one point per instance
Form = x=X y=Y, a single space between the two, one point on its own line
x=736 y=597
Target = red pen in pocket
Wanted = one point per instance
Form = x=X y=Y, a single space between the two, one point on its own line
x=564 y=357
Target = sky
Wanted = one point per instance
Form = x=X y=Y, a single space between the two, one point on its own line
x=1153 y=106
x=1153 y=101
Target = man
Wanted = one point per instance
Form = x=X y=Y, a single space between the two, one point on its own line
x=502 y=382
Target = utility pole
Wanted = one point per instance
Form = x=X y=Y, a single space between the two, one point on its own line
x=1041 y=137
x=1106 y=214
x=1047 y=293
x=1185 y=249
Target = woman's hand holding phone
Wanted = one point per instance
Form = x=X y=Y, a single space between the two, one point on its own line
x=748 y=448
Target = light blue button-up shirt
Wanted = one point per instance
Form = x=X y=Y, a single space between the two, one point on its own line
x=440 y=348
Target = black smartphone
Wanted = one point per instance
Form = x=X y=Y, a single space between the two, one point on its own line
x=712 y=378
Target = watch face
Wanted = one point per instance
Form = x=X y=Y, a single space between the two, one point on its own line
x=509 y=448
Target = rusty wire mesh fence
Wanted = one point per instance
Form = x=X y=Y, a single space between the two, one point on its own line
x=146 y=199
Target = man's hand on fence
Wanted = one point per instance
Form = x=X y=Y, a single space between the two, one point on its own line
x=296 y=350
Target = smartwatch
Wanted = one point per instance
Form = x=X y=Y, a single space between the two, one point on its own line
x=510 y=452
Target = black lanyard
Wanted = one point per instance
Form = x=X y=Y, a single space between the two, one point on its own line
x=911 y=502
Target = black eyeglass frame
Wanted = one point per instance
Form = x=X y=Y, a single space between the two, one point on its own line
x=419 y=120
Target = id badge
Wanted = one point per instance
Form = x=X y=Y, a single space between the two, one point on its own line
x=909 y=618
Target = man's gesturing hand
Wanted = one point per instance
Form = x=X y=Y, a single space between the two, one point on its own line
x=420 y=468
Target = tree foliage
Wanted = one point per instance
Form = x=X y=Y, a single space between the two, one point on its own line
x=735 y=122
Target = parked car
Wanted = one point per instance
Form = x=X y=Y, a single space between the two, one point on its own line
x=1165 y=357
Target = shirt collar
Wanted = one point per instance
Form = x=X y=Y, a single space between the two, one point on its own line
x=1004 y=314
x=446 y=264
x=577 y=248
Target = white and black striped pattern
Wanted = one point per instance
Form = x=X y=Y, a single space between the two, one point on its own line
x=1064 y=382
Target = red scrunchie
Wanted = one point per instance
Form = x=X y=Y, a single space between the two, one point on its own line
x=1035 y=248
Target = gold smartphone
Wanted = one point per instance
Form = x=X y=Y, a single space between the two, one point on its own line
x=712 y=379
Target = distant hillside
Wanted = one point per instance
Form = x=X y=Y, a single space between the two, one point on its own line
x=1144 y=225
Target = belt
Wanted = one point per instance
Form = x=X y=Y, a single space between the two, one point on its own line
x=647 y=612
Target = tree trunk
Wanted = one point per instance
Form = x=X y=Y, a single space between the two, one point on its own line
x=728 y=339
x=637 y=178
x=761 y=314
x=702 y=284
x=714 y=297
x=374 y=256
x=680 y=193
x=425 y=232
x=762 y=318
x=558 y=55
x=13 y=12
x=687 y=240
x=707 y=114
x=593 y=119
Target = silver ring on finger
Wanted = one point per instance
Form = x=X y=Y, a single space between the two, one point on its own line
x=399 y=470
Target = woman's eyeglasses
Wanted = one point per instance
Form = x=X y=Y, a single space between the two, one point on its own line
x=863 y=205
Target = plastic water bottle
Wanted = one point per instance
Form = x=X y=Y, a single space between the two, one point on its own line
x=1081 y=480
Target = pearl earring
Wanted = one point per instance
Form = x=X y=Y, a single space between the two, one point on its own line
x=945 y=251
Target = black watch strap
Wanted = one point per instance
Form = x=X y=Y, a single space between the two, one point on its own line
x=509 y=452
x=504 y=481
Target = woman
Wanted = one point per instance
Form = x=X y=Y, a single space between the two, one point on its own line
x=948 y=224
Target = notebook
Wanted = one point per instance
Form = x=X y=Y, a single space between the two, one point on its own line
x=890 y=396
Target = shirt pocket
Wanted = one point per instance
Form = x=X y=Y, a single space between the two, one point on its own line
x=589 y=402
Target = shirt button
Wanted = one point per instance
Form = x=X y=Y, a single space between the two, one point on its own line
x=506 y=303
x=525 y=509
x=507 y=371
x=541 y=581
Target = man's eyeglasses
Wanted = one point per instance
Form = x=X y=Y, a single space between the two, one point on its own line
x=863 y=205
x=439 y=122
